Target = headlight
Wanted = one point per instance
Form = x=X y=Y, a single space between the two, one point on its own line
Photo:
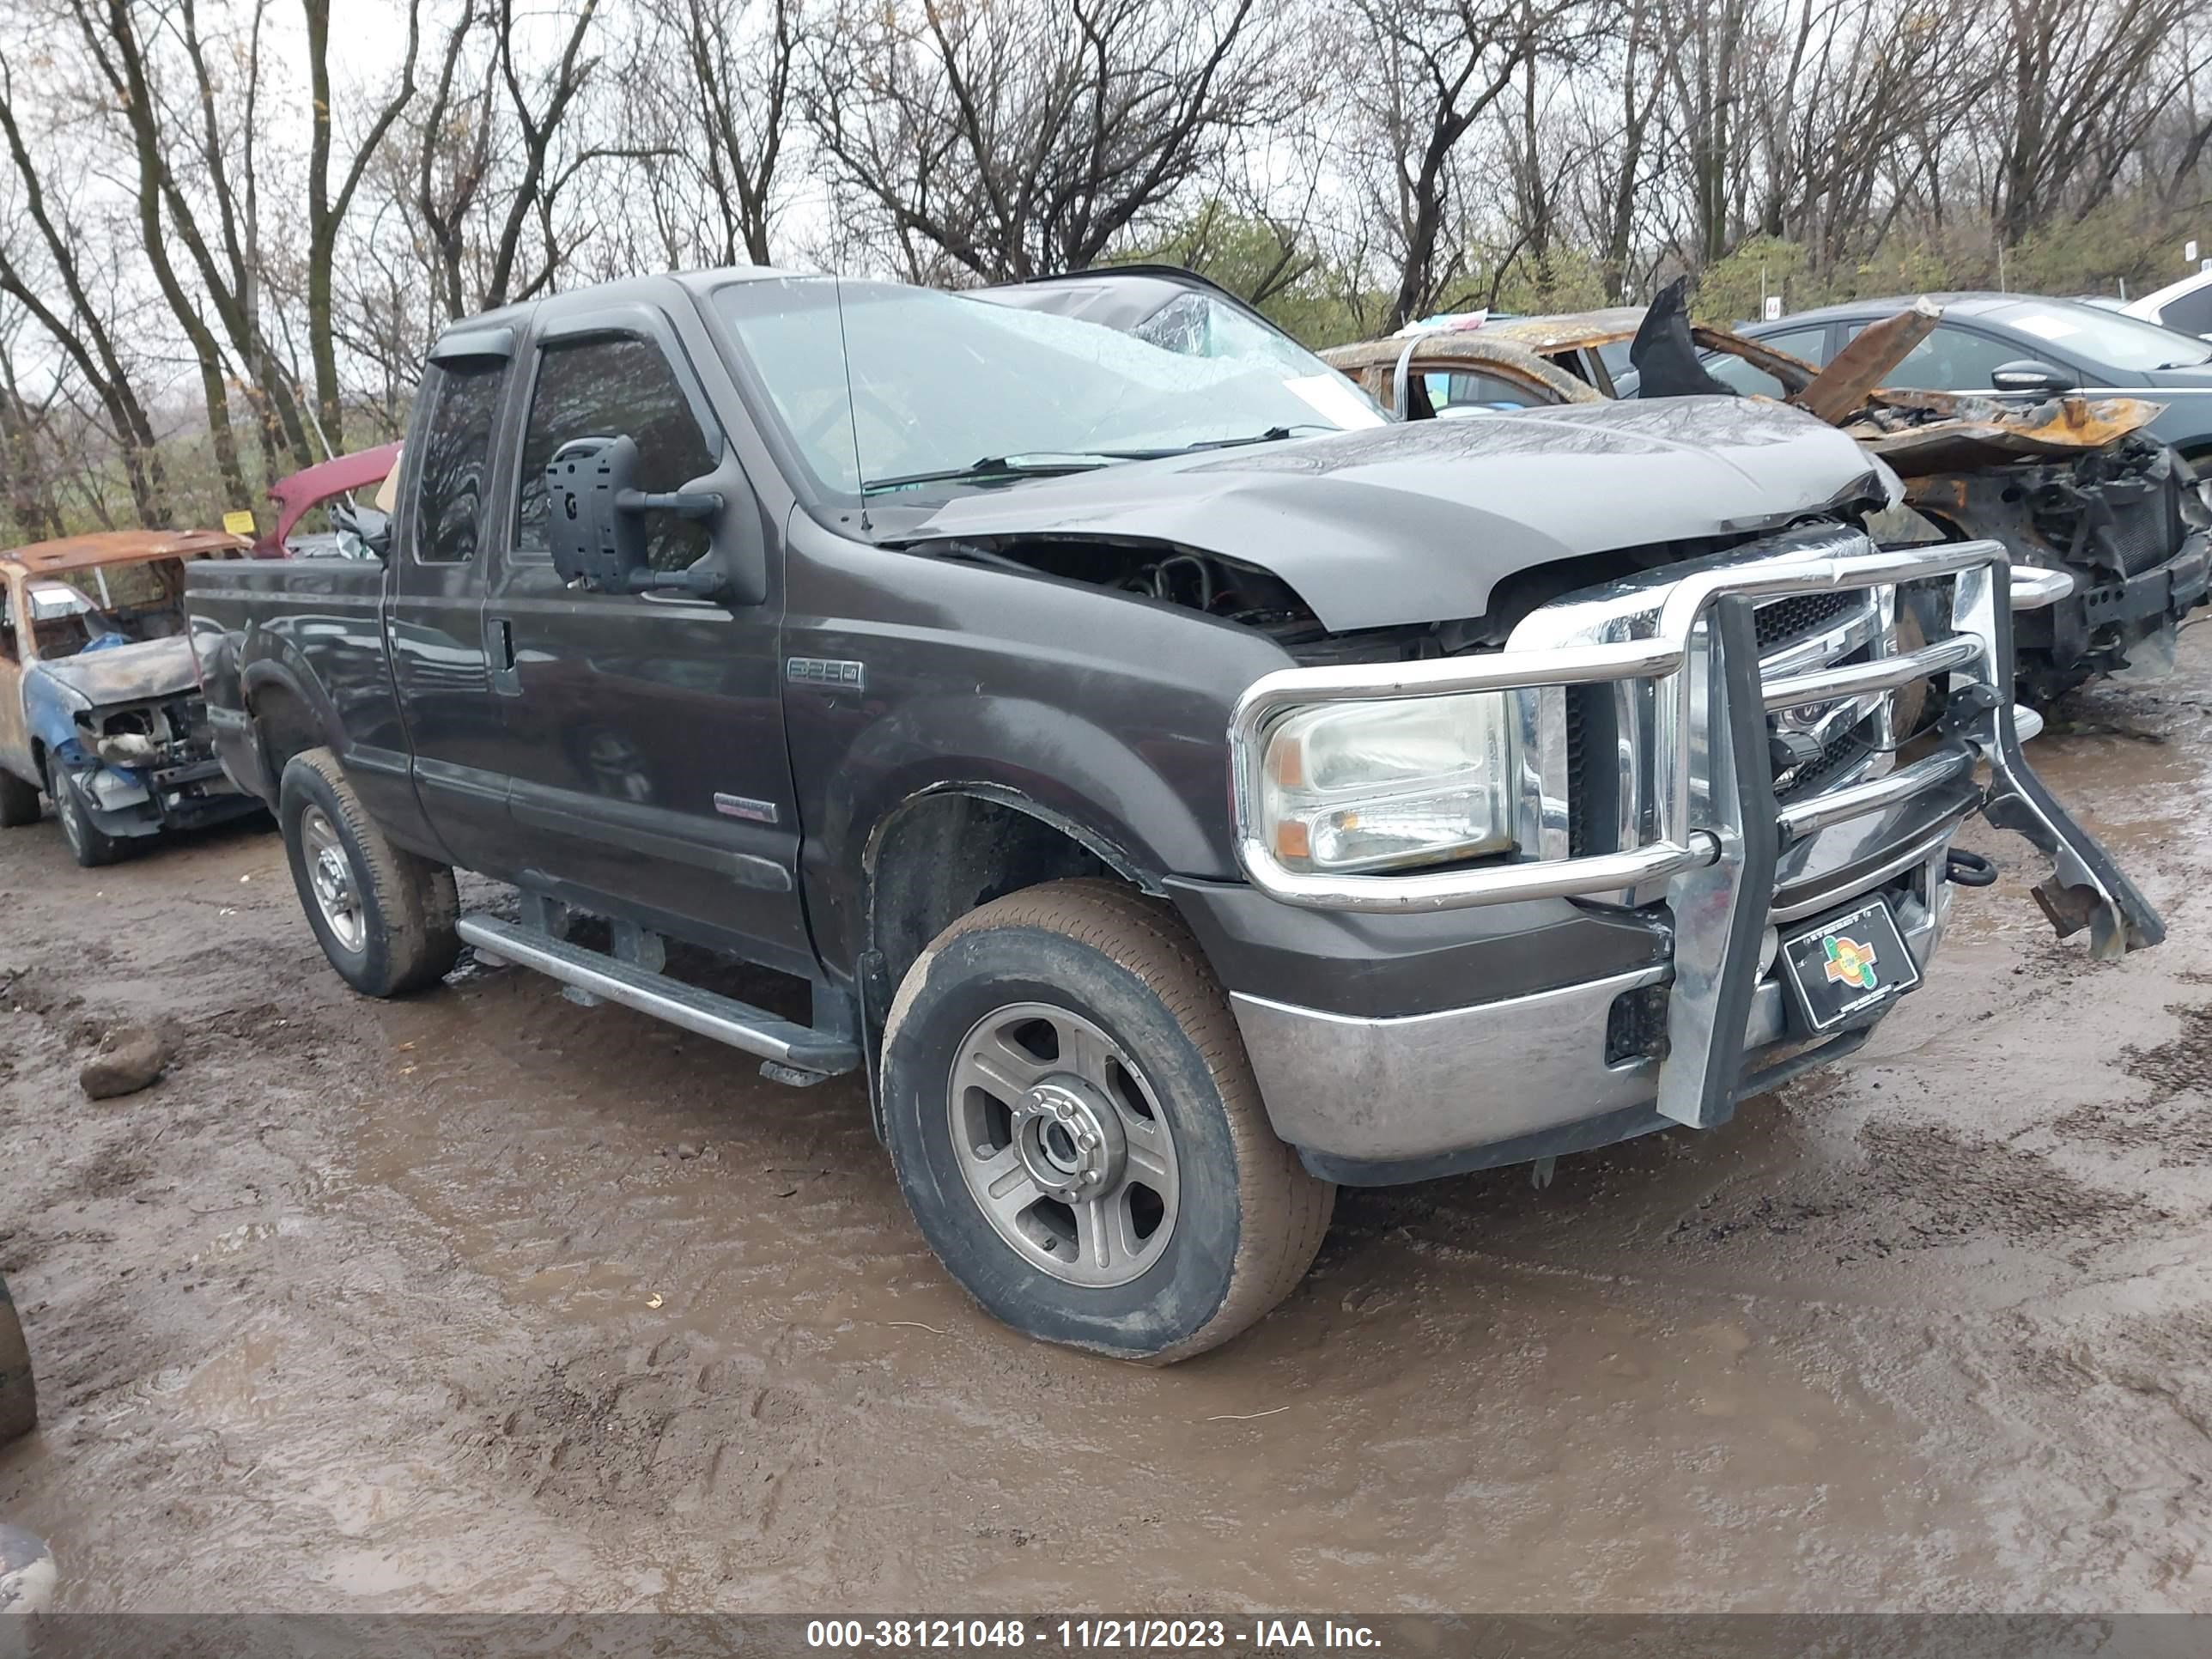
x=1374 y=785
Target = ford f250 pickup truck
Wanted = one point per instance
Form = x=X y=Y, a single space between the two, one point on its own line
x=1178 y=789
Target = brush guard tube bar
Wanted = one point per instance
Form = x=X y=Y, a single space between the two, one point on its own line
x=1702 y=829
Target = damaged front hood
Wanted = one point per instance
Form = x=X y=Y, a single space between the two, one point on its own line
x=126 y=673
x=1418 y=522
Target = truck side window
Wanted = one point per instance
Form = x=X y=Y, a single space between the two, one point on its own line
x=610 y=387
x=456 y=456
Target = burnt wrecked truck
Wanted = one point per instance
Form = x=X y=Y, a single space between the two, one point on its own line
x=1175 y=787
x=100 y=704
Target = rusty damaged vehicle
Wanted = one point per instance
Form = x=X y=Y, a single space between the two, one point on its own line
x=355 y=529
x=100 y=704
x=2075 y=483
x=1170 y=787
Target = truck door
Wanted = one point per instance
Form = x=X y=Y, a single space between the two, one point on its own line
x=434 y=616
x=649 y=770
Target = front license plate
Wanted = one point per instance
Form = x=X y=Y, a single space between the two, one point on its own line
x=1846 y=964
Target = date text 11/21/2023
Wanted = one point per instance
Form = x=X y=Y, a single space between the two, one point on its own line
x=1086 y=1635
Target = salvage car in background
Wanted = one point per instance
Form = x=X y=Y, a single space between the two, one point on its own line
x=100 y=705
x=2019 y=344
x=2068 y=484
x=356 y=530
x=1168 y=815
x=2184 y=306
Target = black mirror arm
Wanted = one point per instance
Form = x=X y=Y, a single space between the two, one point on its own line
x=704 y=578
x=684 y=503
x=707 y=579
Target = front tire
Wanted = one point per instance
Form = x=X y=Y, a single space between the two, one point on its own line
x=19 y=1398
x=19 y=802
x=1076 y=1128
x=383 y=916
x=88 y=844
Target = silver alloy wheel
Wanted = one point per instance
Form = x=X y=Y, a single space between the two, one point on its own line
x=1063 y=1145
x=329 y=876
x=68 y=810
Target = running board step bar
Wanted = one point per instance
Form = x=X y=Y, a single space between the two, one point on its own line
x=786 y=1045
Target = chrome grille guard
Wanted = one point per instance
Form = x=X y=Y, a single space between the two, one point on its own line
x=1699 y=825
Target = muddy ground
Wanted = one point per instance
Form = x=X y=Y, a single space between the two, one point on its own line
x=485 y=1301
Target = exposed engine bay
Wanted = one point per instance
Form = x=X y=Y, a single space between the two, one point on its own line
x=1232 y=590
x=143 y=767
x=2114 y=516
x=171 y=732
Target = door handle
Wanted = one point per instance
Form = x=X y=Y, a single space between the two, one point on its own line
x=498 y=656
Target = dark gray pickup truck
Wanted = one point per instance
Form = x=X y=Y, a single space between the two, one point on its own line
x=1177 y=787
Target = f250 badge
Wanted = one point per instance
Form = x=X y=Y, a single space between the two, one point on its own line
x=1850 y=963
x=831 y=673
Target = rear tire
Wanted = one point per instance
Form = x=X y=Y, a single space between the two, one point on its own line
x=383 y=916
x=19 y=1399
x=19 y=802
x=1072 y=1033
x=88 y=844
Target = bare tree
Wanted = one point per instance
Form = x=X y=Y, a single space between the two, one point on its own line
x=32 y=506
x=110 y=37
x=1003 y=139
x=74 y=322
x=1424 y=72
x=327 y=209
x=1618 y=154
x=452 y=151
x=741 y=68
x=536 y=104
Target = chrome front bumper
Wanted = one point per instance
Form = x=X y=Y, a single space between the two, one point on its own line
x=1428 y=1086
x=1698 y=842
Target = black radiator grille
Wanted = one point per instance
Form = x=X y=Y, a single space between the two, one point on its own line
x=1783 y=621
x=1580 y=808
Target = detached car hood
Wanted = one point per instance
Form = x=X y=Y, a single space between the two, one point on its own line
x=1418 y=522
x=125 y=673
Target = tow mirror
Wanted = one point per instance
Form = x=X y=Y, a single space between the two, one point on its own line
x=596 y=521
x=2031 y=374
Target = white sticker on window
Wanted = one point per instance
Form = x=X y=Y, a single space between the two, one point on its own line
x=2045 y=326
x=1336 y=399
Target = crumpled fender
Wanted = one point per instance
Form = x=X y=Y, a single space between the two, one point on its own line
x=50 y=710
